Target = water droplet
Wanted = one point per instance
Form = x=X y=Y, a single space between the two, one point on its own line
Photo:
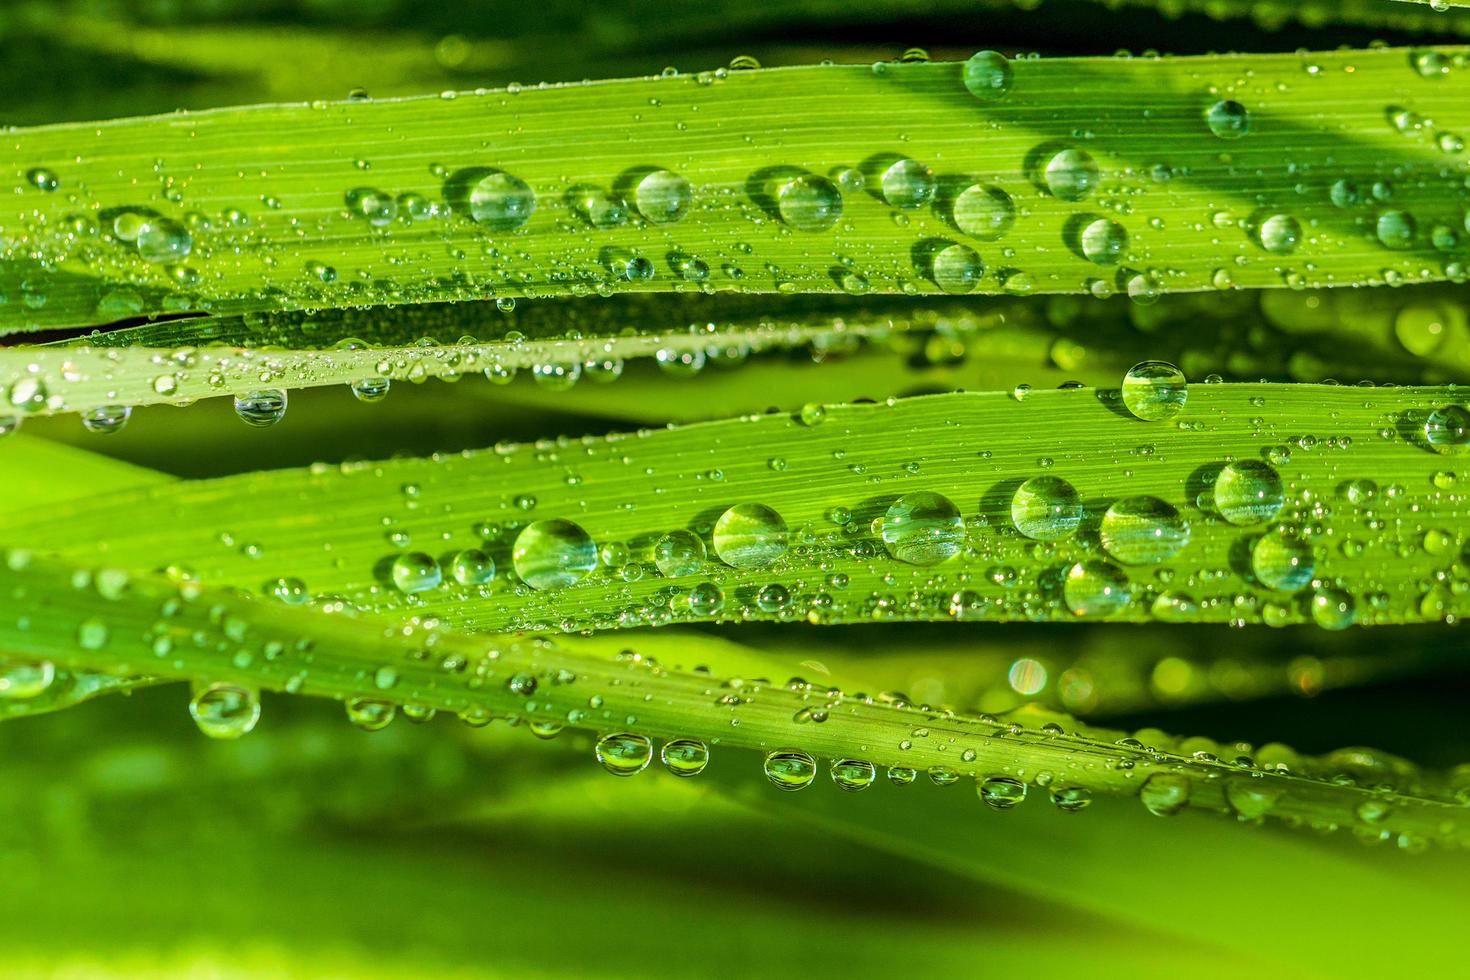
x=502 y=201
x=92 y=634
x=790 y=769
x=28 y=394
x=663 y=197
x=371 y=389
x=923 y=528
x=809 y=203
x=749 y=536
x=378 y=208
x=1281 y=562
x=706 y=599
x=988 y=75
x=224 y=710
x=624 y=753
x=1096 y=589
x=984 y=212
x=853 y=775
x=107 y=418
x=956 y=268
x=1280 y=234
x=1248 y=492
x=1071 y=174
x=20 y=679
x=1070 y=799
x=371 y=714
x=1333 y=609
x=261 y=408
x=1154 y=391
x=1396 y=229
x=1447 y=429
x=1165 y=793
x=679 y=553
x=161 y=240
x=43 y=179
x=1251 y=798
x=1104 y=241
x=907 y=184
x=684 y=756
x=472 y=567
x=1002 y=792
x=553 y=554
x=1143 y=531
x=1046 y=508
x=1228 y=119
x=415 y=571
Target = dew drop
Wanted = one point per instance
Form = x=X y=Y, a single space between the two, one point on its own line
x=1333 y=609
x=1447 y=429
x=749 y=536
x=472 y=567
x=21 y=680
x=624 y=753
x=923 y=528
x=983 y=212
x=1154 y=391
x=907 y=184
x=988 y=75
x=1228 y=119
x=553 y=554
x=1143 y=531
x=262 y=408
x=414 y=572
x=1165 y=793
x=790 y=769
x=1070 y=799
x=1280 y=234
x=107 y=418
x=1104 y=241
x=853 y=775
x=663 y=197
x=371 y=714
x=684 y=756
x=1096 y=589
x=371 y=389
x=1248 y=492
x=1070 y=174
x=1046 y=508
x=809 y=203
x=224 y=710
x=502 y=201
x=1002 y=792
x=161 y=240
x=1281 y=562
x=956 y=269
x=679 y=553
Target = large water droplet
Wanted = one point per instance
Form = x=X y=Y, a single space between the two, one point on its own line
x=1104 y=241
x=1143 y=531
x=809 y=203
x=1046 y=508
x=663 y=197
x=907 y=184
x=624 y=753
x=790 y=769
x=472 y=567
x=502 y=201
x=853 y=775
x=1154 y=391
x=984 y=212
x=1447 y=429
x=1096 y=589
x=923 y=528
x=1280 y=234
x=224 y=710
x=107 y=419
x=679 y=553
x=1248 y=492
x=162 y=240
x=1165 y=793
x=553 y=554
x=1333 y=609
x=1071 y=174
x=262 y=408
x=21 y=679
x=1228 y=119
x=1282 y=562
x=1002 y=792
x=684 y=756
x=414 y=572
x=988 y=75
x=1396 y=229
x=749 y=536
x=956 y=268
x=1251 y=797
x=371 y=714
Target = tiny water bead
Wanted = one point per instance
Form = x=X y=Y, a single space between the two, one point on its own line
x=502 y=201
x=956 y=269
x=161 y=240
x=1447 y=429
x=107 y=418
x=679 y=553
x=378 y=208
x=1154 y=391
x=1165 y=793
x=261 y=409
x=790 y=769
x=749 y=535
x=1095 y=589
x=472 y=567
x=1281 y=562
x=907 y=184
x=553 y=554
x=1143 y=531
x=1280 y=234
x=985 y=213
x=624 y=753
x=809 y=203
x=706 y=599
x=1104 y=241
x=43 y=179
x=224 y=710
x=988 y=75
x=923 y=528
x=1001 y=792
x=1046 y=508
x=663 y=197
x=1248 y=492
x=1228 y=119
x=684 y=756
x=1070 y=174
x=853 y=775
x=414 y=572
